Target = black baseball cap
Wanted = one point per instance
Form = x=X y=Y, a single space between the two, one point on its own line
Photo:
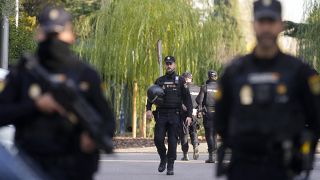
x=54 y=19
x=187 y=74
x=267 y=9
x=169 y=59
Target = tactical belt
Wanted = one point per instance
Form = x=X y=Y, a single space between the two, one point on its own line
x=168 y=110
x=211 y=109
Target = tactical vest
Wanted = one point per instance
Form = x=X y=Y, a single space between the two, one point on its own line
x=266 y=101
x=194 y=92
x=172 y=90
x=211 y=88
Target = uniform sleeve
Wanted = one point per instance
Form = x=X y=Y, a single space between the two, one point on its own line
x=149 y=104
x=13 y=109
x=99 y=101
x=223 y=105
x=311 y=98
x=186 y=97
x=200 y=96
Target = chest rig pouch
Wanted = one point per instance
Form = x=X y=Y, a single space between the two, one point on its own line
x=264 y=87
x=172 y=90
x=261 y=89
x=211 y=89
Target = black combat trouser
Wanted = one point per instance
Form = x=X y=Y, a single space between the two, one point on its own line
x=209 y=131
x=192 y=133
x=79 y=166
x=167 y=121
x=253 y=167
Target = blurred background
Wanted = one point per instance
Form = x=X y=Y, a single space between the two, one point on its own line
x=119 y=38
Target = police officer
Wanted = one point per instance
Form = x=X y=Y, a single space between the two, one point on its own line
x=167 y=115
x=63 y=150
x=265 y=101
x=206 y=103
x=192 y=130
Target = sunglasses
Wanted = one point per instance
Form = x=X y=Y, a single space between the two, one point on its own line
x=168 y=63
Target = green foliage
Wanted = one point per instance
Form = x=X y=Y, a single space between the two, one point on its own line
x=81 y=7
x=308 y=34
x=34 y=7
x=21 y=39
x=75 y=7
x=7 y=7
x=120 y=41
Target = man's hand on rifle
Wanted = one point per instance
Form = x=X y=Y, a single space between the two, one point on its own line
x=194 y=112
x=188 y=121
x=184 y=108
x=47 y=104
x=149 y=115
x=87 y=145
x=199 y=112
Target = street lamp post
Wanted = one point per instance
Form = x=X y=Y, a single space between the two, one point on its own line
x=5 y=42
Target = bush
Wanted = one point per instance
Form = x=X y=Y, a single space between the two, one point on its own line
x=21 y=38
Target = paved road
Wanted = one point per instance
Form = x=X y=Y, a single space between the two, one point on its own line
x=143 y=166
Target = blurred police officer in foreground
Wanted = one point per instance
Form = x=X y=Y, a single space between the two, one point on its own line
x=265 y=108
x=206 y=103
x=167 y=115
x=192 y=129
x=43 y=133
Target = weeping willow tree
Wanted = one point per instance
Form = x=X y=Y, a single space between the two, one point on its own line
x=120 y=41
x=307 y=33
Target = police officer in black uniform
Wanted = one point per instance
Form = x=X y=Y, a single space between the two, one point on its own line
x=62 y=150
x=265 y=106
x=206 y=103
x=167 y=115
x=192 y=129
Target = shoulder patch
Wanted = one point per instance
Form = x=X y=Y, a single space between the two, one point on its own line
x=84 y=86
x=314 y=84
x=2 y=85
x=103 y=86
x=218 y=94
x=34 y=91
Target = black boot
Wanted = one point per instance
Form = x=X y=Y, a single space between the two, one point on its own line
x=162 y=165
x=195 y=153
x=170 y=168
x=210 y=160
x=185 y=157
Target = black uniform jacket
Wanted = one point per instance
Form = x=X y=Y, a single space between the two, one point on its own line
x=171 y=99
x=263 y=99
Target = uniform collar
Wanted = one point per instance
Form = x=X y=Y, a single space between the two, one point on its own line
x=55 y=54
x=209 y=81
x=265 y=61
x=171 y=75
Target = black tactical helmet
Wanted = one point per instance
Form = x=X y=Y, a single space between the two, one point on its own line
x=212 y=74
x=155 y=95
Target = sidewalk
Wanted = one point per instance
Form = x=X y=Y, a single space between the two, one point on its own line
x=202 y=149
